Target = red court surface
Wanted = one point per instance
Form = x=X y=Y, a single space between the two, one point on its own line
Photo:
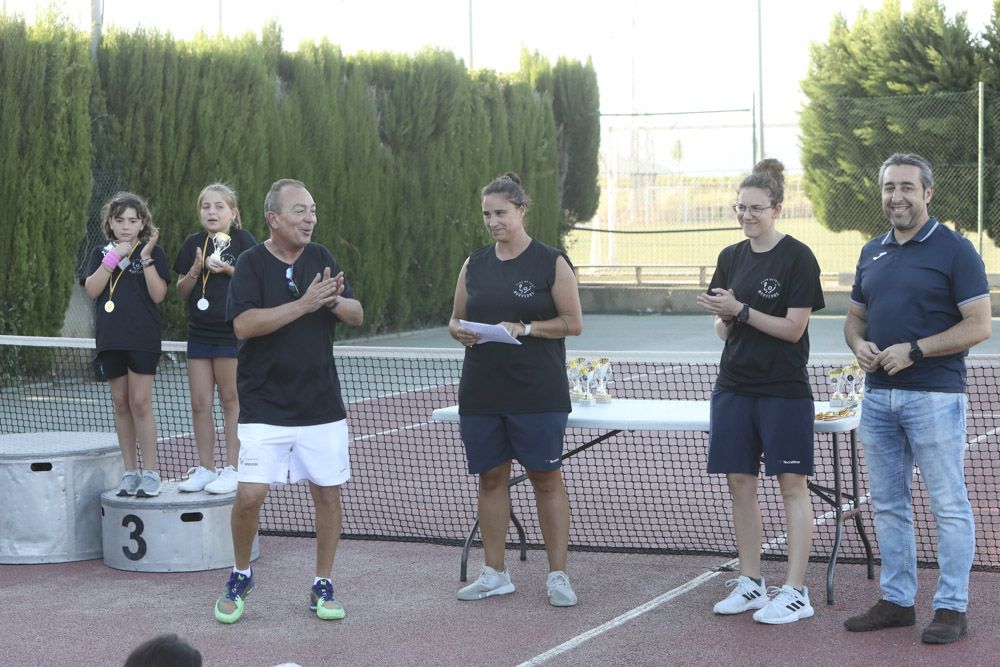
x=401 y=610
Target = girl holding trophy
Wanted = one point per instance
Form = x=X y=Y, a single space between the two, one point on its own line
x=128 y=280
x=204 y=266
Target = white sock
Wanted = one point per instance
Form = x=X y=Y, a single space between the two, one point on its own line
x=246 y=573
x=319 y=579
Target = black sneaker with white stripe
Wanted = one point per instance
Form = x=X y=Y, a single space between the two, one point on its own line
x=746 y=595
x=787 y=605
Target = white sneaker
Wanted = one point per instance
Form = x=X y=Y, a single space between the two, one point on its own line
x=560 y=591
x=490 y=582
x=130 y=483
x=226 y=482
x=198 y=479
x=747 y=595
x=787 y=605
x=149 y=487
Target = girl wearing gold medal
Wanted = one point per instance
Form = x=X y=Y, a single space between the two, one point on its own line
x=204 y=266
x=128 y=280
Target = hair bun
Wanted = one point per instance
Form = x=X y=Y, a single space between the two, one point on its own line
x=512 y=176
x=770 y=166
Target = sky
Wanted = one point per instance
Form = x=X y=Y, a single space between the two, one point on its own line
x=651 y=56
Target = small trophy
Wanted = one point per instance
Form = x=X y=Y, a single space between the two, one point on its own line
x=603 y=374
x=589 y=370
x=854 y=380
x=221 y=241
x=573 y=376
x=835 y=378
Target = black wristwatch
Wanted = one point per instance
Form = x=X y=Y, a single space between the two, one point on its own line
x=744 y=314
x=916 y=354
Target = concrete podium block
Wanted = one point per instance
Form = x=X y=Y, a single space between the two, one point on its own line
x=50 y=494
x=173 y=532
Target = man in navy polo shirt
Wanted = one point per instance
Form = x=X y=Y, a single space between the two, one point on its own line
x=920 y=300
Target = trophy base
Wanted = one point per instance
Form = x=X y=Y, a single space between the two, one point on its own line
x=604 y=398
x=587 y=401
x=838 y=402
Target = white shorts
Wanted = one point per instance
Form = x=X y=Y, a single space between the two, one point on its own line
x=271 y=454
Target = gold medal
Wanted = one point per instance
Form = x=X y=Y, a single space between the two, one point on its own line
x=109 y=306
x=202 y=304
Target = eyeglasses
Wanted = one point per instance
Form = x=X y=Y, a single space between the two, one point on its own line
x=754 y=211
x=293 y=289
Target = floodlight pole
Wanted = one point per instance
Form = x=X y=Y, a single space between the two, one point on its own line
x=760 y=82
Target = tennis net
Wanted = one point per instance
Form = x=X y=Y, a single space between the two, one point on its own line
x=639 y=491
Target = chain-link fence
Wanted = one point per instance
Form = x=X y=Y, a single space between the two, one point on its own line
x=667 y=187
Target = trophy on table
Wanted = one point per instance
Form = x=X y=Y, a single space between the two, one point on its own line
x=588 y=372
x=573 y=375
x=854 y=380
x=221 y=241
x=835 y=377
x=603 y=375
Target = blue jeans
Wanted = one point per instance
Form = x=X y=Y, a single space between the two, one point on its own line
x=898 y=428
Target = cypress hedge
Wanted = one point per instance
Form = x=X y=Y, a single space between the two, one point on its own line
x=393 y=148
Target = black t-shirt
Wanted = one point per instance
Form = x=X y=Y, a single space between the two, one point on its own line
x=786 y=276
x=210 y=326
x=498 y=378
x=134 y=324
x=287 y=377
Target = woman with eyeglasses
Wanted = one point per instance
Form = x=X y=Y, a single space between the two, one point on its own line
x=205 y=265
x=762 y=294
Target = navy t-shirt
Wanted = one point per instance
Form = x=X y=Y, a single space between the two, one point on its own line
x=210 y=326
x=287 y=377
x=786 y=276
x=499 y=378
x=134 y=324
x=913 y=291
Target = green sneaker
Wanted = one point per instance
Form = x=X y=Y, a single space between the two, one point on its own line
x=324 y=603
x=229 y=606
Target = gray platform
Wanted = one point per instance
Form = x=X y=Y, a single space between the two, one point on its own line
x=50 y=491
x=173 y=532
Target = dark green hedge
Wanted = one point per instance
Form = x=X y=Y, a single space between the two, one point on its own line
x=393 y=148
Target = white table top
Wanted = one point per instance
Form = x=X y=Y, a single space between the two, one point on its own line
x=657 y=415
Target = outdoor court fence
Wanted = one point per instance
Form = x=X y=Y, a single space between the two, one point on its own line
x=640 y=491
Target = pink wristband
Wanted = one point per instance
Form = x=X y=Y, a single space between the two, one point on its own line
x=111 y=260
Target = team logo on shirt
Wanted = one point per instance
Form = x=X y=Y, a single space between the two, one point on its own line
x=524 y=289
x=770 y=288
x=135 y=266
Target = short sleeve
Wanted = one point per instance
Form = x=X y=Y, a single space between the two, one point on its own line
x=968 y=274
x=806 y=288
x=244 y=288
x=857 y=295
x=723 y=266
x=185 y=256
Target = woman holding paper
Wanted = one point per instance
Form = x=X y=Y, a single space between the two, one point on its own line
x=514 y=397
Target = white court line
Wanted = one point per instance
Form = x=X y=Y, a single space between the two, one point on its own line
x=669 y=595
x=626 y=617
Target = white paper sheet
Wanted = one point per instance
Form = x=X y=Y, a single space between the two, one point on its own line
x=490 y=333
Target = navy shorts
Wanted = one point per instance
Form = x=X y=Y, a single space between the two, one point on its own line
x=535 y=439
x=744 y=427
x=112 y=364
x=198 y=350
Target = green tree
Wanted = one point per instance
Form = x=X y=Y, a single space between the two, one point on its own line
x=45 y=149
x=573 y=88
x=891 y=82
